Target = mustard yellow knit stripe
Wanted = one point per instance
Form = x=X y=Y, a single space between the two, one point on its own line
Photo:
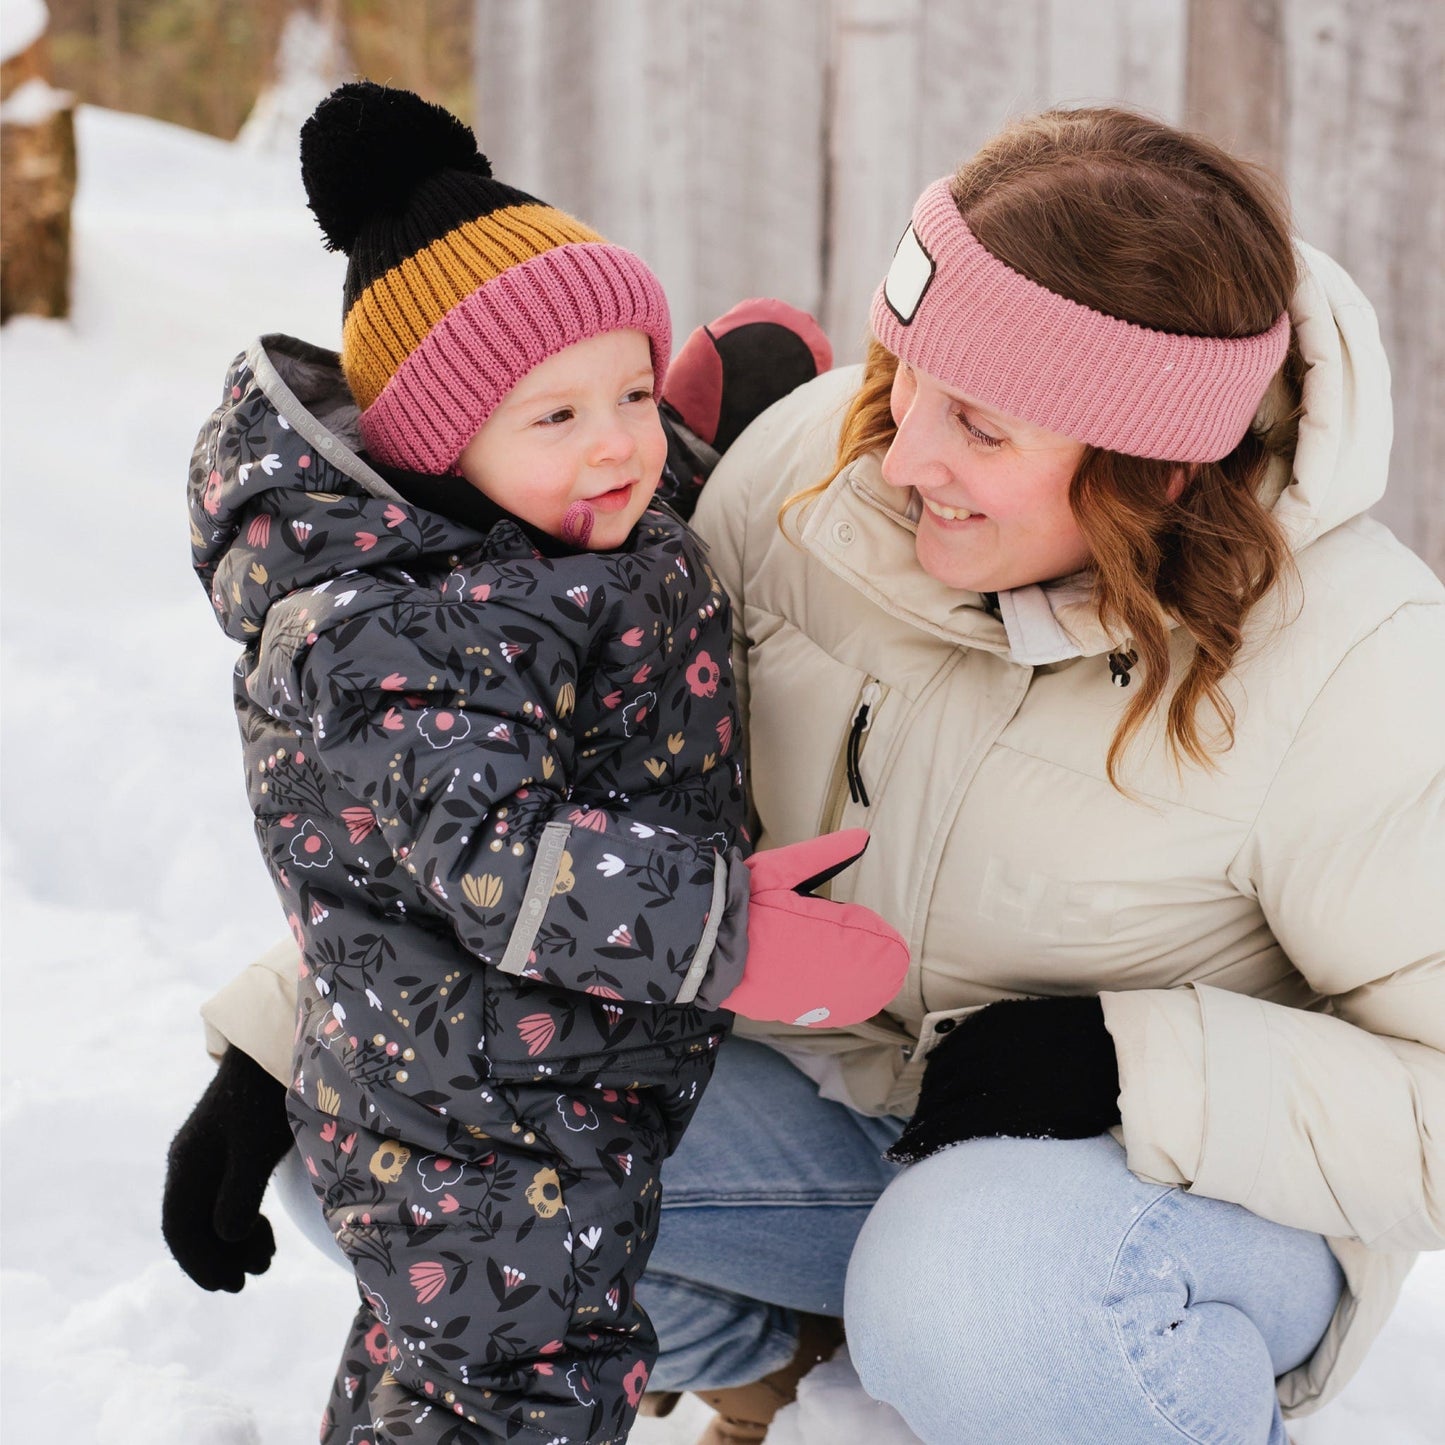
x=396 y=311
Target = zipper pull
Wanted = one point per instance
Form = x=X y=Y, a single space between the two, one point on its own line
x=856 y=790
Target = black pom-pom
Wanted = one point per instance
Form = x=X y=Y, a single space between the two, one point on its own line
x=366 y=149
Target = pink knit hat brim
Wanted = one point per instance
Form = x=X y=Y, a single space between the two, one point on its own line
x=955 y=311
x=438 y=398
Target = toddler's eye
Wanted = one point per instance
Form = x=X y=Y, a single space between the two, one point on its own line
x=641 y=393
x=556 y=418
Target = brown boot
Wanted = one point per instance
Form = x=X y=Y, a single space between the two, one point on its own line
x=745 y=1411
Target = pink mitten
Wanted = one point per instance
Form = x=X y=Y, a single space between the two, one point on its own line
x=812 y=961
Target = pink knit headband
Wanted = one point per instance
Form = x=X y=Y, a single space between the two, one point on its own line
x=952 y=309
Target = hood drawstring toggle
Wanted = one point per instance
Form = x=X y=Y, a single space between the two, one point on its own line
x=1119 y=664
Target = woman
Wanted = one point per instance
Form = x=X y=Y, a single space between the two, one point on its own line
x=1220 y=878
x=1171 y=1042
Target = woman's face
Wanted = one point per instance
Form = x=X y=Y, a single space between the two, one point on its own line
x=995 y=490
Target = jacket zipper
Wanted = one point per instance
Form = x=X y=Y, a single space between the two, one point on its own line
x=848 y=774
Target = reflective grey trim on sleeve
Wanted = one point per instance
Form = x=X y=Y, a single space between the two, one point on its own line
x=539 y=889
x=702 y=959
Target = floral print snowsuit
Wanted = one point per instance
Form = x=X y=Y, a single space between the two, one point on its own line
x=500 y=796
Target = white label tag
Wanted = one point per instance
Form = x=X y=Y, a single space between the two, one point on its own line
x=908 y=277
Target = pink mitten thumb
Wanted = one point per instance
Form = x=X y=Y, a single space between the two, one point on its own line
x=806 y=866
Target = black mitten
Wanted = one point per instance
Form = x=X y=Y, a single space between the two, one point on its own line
x=1035 y=1068
x=216 y=1175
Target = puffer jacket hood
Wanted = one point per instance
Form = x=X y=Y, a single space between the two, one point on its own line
x=280 y=390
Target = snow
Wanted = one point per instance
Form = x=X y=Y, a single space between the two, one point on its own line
x=131 y=884
x=34 y=102
x=22 y=23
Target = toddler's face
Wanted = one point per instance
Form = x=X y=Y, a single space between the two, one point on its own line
x=580 y=427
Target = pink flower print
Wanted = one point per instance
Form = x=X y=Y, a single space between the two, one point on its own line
x=394 y=515
x=360 y=822
x=602 y=990
x=439 y=1171
x=591 y=818
x=349 y=1143
x=481 y=592
x=614 y=1298
x=579 y=595
x=512 y=1276
x=377 y=1344
x=366 y=540
x=537 y=1031
x=634 y=1382
x=448 y=1204
x=612 y=700
x=577 y=1116
x=725 y=732
x=642 y=673
x=624 y=1162
x=621 y=936
x=319 y=912
x=302 y=530
x=612 y=1012
x=682 y=567
x=703 y=676
x=441 y=727
x=428 y=1279
x=419 y=1216
x=328 y=1130
x=311 y=848
x=393 y=682
x=512 y=650
x=635 y=714
x=392 y=722
x=501 y=734
x=633 y=637
x=258 y=534
x=211 y=499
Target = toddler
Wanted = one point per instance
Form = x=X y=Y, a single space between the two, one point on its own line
x=492 y=749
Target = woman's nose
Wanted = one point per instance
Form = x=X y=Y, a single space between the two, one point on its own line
x=916 y=457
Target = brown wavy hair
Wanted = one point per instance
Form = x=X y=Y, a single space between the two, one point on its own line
x=1162 y=228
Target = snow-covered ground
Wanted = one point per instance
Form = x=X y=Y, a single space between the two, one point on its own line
x=131 y=882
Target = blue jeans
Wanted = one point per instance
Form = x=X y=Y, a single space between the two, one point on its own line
x=1004 y=1290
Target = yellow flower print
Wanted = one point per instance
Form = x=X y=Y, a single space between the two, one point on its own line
x=484 y=891
x=389 y=1161
x=565 y=880
x=544 y=1193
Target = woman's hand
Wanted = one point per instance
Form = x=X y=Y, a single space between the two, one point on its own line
x=217 y=1172
x=1035 y=1068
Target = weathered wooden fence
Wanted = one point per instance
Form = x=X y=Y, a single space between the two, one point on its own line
x=750 y=147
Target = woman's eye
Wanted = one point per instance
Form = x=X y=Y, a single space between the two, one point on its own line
x=981 y=437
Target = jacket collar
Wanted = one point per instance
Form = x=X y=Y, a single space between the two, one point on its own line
x=862 y=530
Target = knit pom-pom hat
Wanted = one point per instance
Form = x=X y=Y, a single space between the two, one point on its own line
x=456 y=284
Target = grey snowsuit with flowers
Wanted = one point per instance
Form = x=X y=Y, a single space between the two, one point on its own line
x=497 y=784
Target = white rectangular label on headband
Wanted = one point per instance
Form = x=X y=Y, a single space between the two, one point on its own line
x=908 y=277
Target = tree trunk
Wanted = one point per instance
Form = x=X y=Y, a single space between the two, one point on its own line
x=37 y=184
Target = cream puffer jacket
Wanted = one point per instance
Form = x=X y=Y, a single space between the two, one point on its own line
x=1268 y=937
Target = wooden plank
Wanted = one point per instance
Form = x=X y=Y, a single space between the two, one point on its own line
x=1364 y=156
x=1235 y=79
